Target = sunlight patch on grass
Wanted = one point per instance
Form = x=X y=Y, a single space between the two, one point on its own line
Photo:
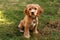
x=3 y=20
x=9 y=22
x=6 y=22
x=1 y=16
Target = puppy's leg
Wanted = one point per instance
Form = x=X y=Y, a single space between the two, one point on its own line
x=20 y=26
x=35 y=30
x=26 y=32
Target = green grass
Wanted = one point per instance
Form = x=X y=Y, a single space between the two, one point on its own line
x=13 y=12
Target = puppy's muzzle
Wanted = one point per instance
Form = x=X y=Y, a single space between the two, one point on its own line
x=32 y=13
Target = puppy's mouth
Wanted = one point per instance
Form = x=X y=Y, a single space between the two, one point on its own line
x=33 y=15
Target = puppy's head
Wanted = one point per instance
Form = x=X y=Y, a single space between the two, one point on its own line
x=33 y=10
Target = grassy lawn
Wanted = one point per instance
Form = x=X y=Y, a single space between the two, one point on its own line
x=12 y=11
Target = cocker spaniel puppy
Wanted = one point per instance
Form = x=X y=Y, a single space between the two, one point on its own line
x=30 y=21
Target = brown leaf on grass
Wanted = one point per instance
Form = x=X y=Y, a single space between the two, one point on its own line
x=54 y=24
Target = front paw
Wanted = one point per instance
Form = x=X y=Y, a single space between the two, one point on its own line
x=36 y=32
x=21 y=30
x=27 y=36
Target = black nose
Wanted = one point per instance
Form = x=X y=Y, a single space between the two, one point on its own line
x=32 y=13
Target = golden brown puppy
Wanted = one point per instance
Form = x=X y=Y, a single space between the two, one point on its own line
x=30 y=21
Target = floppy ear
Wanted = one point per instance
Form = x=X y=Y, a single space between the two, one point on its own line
x=26 y=11
x=40 y=10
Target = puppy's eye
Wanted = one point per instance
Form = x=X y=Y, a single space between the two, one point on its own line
x=35 y=8
x=29 y=8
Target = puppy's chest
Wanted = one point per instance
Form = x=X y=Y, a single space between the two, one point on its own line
x=34 y=22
